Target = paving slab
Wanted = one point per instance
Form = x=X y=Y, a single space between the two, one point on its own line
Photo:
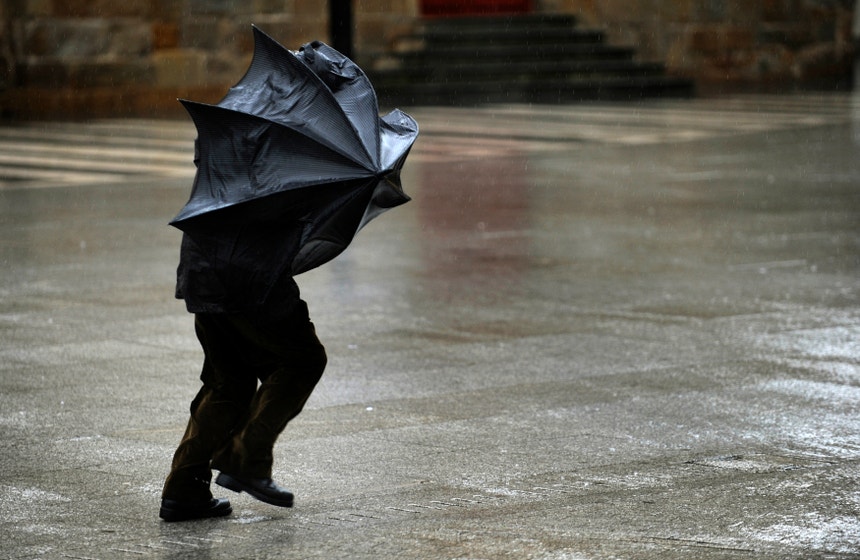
x=597 y=331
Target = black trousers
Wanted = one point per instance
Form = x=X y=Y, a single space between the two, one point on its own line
x=257 y=375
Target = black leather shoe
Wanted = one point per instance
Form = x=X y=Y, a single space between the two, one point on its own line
x=174 y=510
x=264 y=489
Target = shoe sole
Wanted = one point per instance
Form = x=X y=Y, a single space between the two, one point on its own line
x=230 y=483
x=176 y=514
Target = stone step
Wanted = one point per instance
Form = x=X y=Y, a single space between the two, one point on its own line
x=543 y=21
x=532 y=58
x=455 y=53
x=514 y=70
x=470 y=92
x=501 y=35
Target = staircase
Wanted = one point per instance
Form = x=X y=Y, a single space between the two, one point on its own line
x=536 y=58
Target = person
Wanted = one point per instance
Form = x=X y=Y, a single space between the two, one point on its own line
x=262 y=359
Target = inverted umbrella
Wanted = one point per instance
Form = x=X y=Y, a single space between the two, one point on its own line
x=296 y=157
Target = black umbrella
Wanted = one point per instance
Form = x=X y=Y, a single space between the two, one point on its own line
x=295 y=153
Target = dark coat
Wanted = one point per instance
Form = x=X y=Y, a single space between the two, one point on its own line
x=236 y=267
x=241 y=270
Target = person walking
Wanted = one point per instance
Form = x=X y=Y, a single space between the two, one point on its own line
x=291 y=164
x=262 y=359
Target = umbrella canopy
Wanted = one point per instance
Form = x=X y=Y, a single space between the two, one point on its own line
x=296 y=150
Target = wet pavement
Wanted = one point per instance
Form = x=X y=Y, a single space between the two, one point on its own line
x=598 y=331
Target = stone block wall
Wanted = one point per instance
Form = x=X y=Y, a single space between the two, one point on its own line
x=135 y=57
x=378 y=22
x=731 y=44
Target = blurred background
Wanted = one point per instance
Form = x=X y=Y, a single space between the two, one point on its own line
x=97 y=58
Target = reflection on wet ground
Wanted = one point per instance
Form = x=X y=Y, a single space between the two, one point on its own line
x=474 y=222
x=597 y=331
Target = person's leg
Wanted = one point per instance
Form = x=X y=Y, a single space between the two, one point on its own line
x=295 y=360
x=219 y=407
x=281 y=396
x=186 y=494
x=190 y=474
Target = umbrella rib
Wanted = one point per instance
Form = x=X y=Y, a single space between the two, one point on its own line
x=371 y=171
x=320 y=47
x=318 y=82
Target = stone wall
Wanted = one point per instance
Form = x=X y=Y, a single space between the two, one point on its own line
x=134 y=57
x=731 y=44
